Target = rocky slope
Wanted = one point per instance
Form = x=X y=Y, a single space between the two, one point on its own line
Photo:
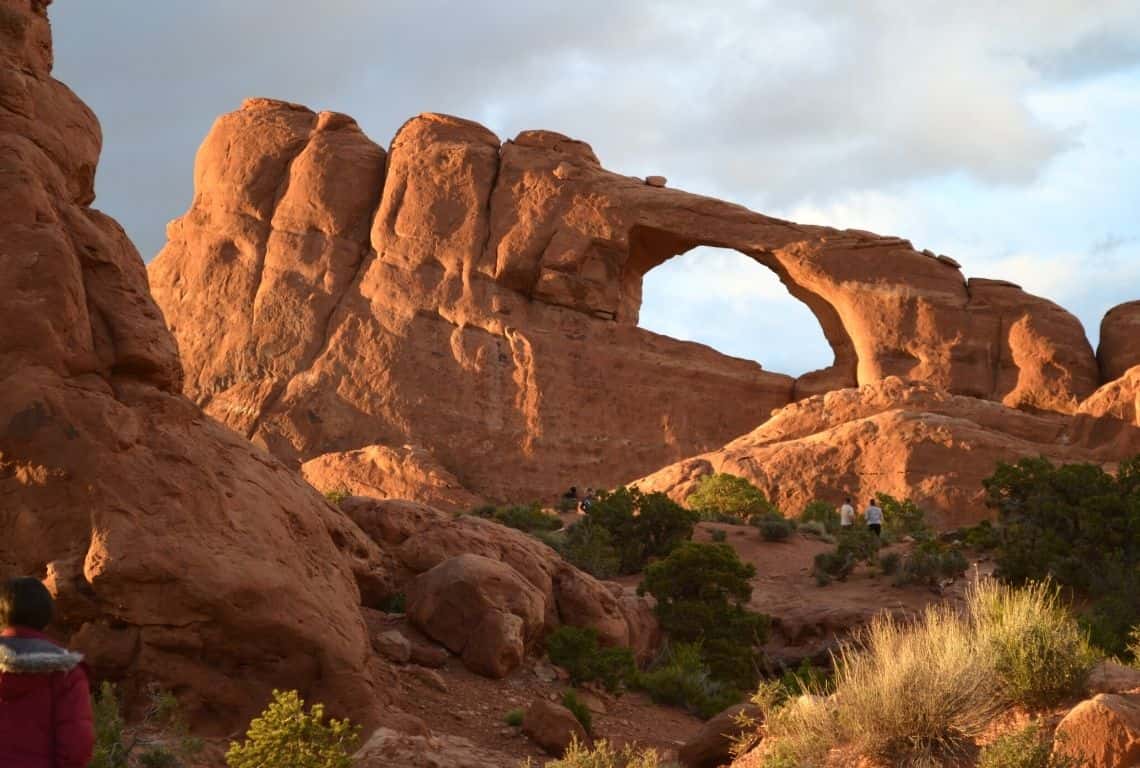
x=910 y=440
x=477 y=301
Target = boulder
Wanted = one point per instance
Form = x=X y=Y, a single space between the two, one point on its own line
x=385 y=472
x=388 y=748
x=393 y=646
x=552 y=727
x=159 y=531
x=428 y=655
x=480 y=609
x=1101 y=732
x=711 y=747
x=1111 y=677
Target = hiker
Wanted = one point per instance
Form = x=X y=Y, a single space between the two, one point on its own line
x=846 y=514
x=45 y=701
x=873 y=516
x=571 y=494
x=587 y=501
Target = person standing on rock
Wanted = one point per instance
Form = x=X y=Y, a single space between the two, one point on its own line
x=846 y=514
x=873 y=516
x=45 y=699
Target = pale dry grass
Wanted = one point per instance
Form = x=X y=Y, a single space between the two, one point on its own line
x=915 y=693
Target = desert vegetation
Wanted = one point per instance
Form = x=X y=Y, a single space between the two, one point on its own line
x=285 y=735
x=160 y=739
x=913 y=692
x=624 y=529
x=1080 y=526
x=726 y=498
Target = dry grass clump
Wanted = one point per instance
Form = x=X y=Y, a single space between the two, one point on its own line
x=1036 y=648
x=913 y=693
x=602 y=755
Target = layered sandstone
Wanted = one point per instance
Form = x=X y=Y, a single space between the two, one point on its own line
x=180 y=554
x=480 y=299
x=907 y=439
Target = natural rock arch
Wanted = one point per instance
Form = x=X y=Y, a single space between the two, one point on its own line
x=650 y=247
x=488 y=314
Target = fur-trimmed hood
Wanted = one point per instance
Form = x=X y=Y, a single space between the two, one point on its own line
x=33 y=656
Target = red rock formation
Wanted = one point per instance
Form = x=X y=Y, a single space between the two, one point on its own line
x=481 y=300
x=408 y=472
x=180 y=554
x=906 y=439
x=1119 y=347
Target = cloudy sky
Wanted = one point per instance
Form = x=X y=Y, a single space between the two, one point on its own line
x=1006 y=135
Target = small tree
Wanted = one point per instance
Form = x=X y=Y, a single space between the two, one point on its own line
x=722 y=495
x=823 y=513
x=285 y=736
x=161 y=740
x=640 y=525
x=701 y=592
x=902 y=518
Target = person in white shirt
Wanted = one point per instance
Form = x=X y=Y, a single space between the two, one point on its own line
x=874 y=517
x=846 y=514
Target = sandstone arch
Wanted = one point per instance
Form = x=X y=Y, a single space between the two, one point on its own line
x=650 y=247
x=488 y=316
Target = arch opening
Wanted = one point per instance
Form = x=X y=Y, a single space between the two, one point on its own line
x=731 y=302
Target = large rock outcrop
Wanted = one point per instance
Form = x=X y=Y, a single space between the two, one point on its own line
x=1119 y=347
x=907 y=439
x=481 y=298
x=420 y=540
x=180 y=554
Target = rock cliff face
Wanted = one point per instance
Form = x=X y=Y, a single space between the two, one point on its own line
x=479 y=299
x=179 y=553
x=1119 y=347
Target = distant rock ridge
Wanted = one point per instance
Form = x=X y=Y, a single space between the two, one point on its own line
x=480 y=299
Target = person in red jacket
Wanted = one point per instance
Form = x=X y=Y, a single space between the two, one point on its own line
x=45 y=701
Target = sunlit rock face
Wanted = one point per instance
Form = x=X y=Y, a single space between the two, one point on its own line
x=180 y=554
x=478 y=300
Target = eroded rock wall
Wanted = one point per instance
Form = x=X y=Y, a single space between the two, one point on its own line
x=480 y=300
x=180 y=554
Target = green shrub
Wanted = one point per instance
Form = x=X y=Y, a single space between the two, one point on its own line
x=576 y=650
x=337 y=495
x=161 y=740
x=930 y=563
x=982 y=537
x=816 y=529
x=701 y=592
x=889 y=563
x=719 y=535
x=602 y=755
x=1034 y=644
x=822 y=513
x=529 y=518
x=681 y=678
x=774 y=528
x=853 y=546
x=514 y=718
x=580 y=711
x=285 y=736
x=589 y=546
x=1029 y=747
x=902 y=518
x=805 y=679
x=722 y=497
x=1078 y=525
x=641 y=526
